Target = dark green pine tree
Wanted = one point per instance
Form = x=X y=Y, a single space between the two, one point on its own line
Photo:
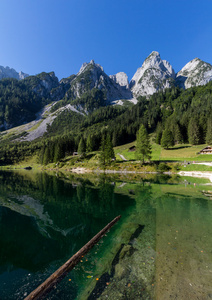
x=102 y=157
x=178 y=138
x=159 y=131
x=143 y=147
x=109 y=152
x=58 y=152
x=82 y=147
x=46 y=157
x=209 y=131
x=167 y=139
x=193 y=132
x=114 y=139
x=41 y=154
x=51 y=152
x=89 y=143
x=106 y=151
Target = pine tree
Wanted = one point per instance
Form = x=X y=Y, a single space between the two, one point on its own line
x=114 y=139
x=41 y=154
x=109 y=152
x=58 y=153
x=159 y=131
x=102 y=157
x=89 y=143
x=82 y=147
x=143 y=147
x=46 y=157
x=193 y=132
x=178 y=138
x=209 y=131
x=167 y=139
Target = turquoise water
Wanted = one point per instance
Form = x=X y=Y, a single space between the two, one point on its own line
x=161 y=247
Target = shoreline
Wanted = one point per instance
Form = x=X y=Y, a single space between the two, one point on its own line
x=83 y=170
x=199 y=174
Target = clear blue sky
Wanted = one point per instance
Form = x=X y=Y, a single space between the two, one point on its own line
x=59 y=35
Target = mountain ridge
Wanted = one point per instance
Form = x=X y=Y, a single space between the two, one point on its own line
x=155 y=74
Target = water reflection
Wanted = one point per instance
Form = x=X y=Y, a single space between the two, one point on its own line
x=161 y=247
x=46 y=219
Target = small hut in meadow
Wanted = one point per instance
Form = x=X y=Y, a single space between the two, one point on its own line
x=206 y=150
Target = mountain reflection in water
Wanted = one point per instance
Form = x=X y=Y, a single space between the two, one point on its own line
x=156 y=251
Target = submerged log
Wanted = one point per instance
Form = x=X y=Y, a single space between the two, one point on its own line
x=58 y=275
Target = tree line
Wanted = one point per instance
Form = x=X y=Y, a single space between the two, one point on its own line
x=174 y=116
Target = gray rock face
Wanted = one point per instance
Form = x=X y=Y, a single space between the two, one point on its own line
x=121 y=79
x=22 y=75
x=194 y=73
x=11 y=73
x=92 y=75
x=154 y=75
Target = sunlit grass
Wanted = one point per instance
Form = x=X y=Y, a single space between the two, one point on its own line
x=183 y=152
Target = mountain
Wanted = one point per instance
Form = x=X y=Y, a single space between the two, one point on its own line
x=157 y=74
x=11 y=73
x=154 y=75
x=194 y=73
x=43 y=84
x=22 y=97
x=92 y=76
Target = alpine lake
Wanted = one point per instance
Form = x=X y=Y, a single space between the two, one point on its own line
x=161 y=248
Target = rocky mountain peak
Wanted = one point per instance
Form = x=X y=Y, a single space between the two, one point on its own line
x=92 y=76
x=194 y=73
x=87 y=65
x=11 y=73
x=153 y=58
x=22 y=75
x=155 y=74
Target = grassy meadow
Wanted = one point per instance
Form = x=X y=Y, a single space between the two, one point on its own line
x=182 y=153
x=177 y=158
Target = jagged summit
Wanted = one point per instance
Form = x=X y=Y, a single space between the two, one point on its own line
x=11 y=73
x=92 y=76
x=155 y=74
x=91 y=63
x=194 y=73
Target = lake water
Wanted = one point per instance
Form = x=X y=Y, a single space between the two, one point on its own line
x=160 y=249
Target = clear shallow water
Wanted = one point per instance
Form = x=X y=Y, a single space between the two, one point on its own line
x=160 y=249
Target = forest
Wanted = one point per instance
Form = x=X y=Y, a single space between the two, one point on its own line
x=172 y=116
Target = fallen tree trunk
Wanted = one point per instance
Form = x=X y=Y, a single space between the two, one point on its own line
x=69 y=265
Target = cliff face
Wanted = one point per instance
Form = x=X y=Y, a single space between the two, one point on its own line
x=194 y=73
x=154 y=75
x=92 y=76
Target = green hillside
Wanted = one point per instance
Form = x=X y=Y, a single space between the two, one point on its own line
x=185 y=116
